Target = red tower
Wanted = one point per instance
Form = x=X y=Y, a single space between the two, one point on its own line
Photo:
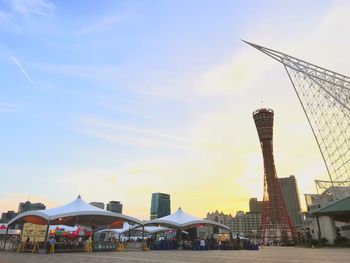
x=275 y=221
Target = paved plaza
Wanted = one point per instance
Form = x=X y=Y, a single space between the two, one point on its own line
x=270 y=254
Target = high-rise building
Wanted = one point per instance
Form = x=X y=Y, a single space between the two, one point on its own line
x=246 y=224
x=291 y=198
x=160 y=205
x=255 y=206
x=115 y=207
x=7 y=216
x=98 y=205
x=28 y=206
x=275 y=221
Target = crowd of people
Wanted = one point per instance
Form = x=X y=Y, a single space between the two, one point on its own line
x=198 y=244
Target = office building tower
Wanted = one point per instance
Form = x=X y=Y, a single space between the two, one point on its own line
x=7 y=216
x=291 y=198
x=115 y=207
x=255 y=206
x=160 y=205
x=28 y=206
x=98 y=205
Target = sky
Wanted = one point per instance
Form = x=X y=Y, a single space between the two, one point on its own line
x=115 y=100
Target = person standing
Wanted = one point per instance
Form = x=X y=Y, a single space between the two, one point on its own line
x=89 y=245
x=238 y=241
x=202 y=244
x=52 y=242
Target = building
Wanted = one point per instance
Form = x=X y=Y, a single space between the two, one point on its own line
x=115 y=207
x=291 y=199
x=7 y=216
x=220 y=217
x=160 y=205
x=98 y=205
x=315 y=202
x=255 y=206
x=28 y=206
x=244 y=224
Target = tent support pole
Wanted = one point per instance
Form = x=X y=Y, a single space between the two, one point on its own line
x=7 y=231
x=93 y=237
x=129 y=233
x=47 y=232
x=180 y=234
x=143 y=233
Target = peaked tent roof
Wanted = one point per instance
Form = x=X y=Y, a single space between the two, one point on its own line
x=73 y=213
x=341 y=207
x=180 y=219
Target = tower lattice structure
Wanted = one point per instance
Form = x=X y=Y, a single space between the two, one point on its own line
x=275 y=222
x=325 y=98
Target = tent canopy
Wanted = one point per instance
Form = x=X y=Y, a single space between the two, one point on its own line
x=77 y=212
x=180 y=219
x=127 y=227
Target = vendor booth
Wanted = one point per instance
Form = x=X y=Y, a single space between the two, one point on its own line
x=76 y=213
x=180 y=221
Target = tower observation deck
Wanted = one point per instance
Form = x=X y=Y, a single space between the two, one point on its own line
x=275 y=221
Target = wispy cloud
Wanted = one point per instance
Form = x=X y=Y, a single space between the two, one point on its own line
x=8 y=107
x=124 y=134
x=20 y=66
x=150 y=132
x=32 y=7
x=103 y=24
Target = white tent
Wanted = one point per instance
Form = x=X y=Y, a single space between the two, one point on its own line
x=127 y=227
x=182 y=220
x=77 y=212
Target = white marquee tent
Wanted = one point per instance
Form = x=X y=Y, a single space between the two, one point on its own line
x=77 y=212
x=182 y=220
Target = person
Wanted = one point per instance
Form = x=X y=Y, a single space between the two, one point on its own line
x=26 y=245
x=238 y=241
x=52 y=242
x=219 y=245
x=202 y=244
x=89 y=245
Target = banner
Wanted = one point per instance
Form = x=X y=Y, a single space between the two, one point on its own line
x=36 y=233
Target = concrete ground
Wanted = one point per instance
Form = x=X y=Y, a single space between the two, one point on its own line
x=269 y=254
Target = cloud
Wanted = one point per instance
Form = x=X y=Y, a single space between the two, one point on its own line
x=20 y=66
x=32 y=7
x=8 y=107
x=235 y=75
x=5 y=17
x=103 y=24
x=123 y=134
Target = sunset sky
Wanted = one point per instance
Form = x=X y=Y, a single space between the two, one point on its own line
x=115 y=100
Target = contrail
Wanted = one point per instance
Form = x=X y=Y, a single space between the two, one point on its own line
x=19 y=65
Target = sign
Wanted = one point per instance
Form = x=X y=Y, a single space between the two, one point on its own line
x=40 y=233
x=36 y=233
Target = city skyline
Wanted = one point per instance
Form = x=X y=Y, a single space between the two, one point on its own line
x=140 y=98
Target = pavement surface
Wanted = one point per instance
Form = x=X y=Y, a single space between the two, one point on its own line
x=269 y=254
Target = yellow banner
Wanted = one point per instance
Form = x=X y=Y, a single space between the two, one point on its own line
x=40 y=233
x=35 y=233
